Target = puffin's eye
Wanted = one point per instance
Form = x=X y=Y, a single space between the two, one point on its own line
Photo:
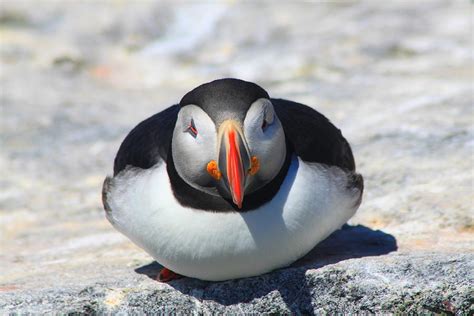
x=191 y=129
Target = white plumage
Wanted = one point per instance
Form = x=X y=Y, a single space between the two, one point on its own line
x=313 y=201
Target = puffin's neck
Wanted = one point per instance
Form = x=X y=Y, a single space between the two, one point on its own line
x=191 y=197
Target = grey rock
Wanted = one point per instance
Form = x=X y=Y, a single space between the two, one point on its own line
x=421 y=283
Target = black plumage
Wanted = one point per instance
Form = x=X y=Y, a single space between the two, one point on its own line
x=312 y=136
x=309 y=135
x=220 y=98
x=148 y=142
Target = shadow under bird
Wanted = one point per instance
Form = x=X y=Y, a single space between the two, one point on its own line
x=231 y=183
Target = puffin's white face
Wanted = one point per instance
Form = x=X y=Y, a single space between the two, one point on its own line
x=266 y=141
x=235 y=157
x=194 y=144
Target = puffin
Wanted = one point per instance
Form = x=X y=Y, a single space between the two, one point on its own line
x=231 y=183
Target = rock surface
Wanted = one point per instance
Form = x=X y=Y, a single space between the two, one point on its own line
x=395 y=77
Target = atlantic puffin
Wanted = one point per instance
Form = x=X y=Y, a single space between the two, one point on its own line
x=231 y=183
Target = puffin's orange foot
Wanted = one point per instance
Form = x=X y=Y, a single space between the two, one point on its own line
x=167 y=275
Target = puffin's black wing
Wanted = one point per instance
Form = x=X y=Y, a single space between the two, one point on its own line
x=148 y=142
x=312 y=136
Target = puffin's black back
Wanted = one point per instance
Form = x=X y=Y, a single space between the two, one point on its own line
x=312 y=136
x=148 y=142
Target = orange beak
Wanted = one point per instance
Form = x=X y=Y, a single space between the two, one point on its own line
x=234 y=160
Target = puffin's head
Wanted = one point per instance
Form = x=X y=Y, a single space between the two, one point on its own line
x=227 y=139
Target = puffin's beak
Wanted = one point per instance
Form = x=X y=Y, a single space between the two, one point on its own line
x=234 y=159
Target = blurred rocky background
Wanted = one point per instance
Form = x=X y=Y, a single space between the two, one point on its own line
x=395 y=76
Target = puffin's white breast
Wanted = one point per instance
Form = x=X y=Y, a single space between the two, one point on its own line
x=312 y=202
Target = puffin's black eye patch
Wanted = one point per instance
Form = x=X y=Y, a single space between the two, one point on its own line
x=191 y=129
